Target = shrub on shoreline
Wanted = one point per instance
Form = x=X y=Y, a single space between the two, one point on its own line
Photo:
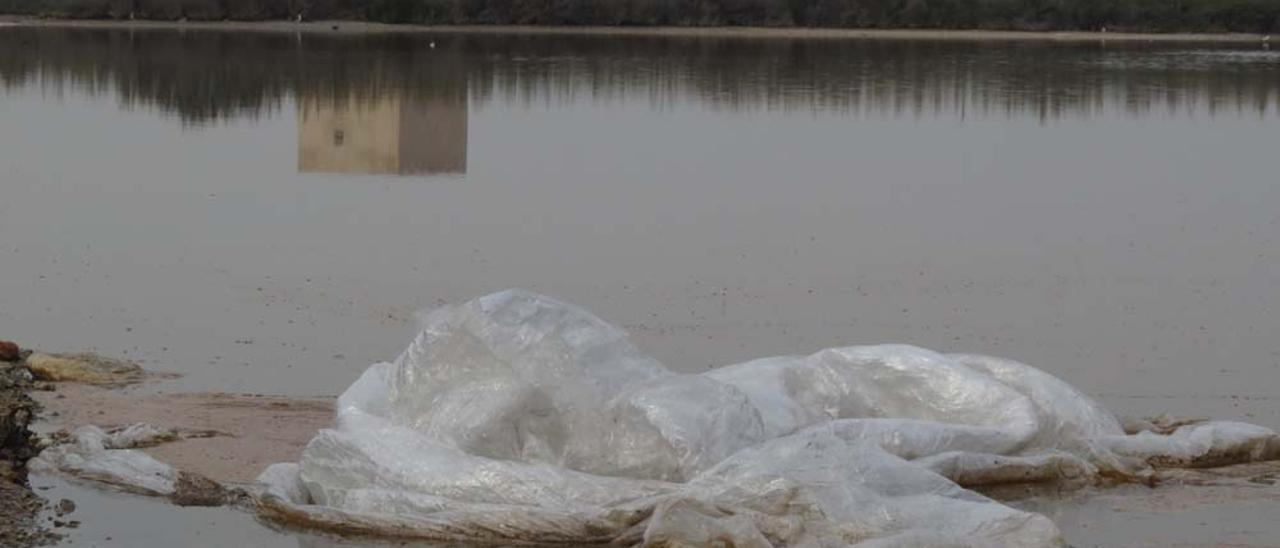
x=1130 y=15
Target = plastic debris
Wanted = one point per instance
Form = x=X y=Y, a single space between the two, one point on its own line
x=519 y=418
x=97 y=455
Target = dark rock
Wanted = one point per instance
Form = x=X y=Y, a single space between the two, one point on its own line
x=9 y=352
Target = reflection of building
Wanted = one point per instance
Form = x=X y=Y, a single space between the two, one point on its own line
x=384 y=135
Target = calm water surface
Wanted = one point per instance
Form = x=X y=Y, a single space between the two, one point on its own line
x=265 y=212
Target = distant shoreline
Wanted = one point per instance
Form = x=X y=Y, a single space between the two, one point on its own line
x=363 y=27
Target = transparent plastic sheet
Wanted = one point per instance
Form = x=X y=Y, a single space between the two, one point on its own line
x=110 y=457
x=518 y=418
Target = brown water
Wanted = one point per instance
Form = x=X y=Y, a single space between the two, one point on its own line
x=264 y=212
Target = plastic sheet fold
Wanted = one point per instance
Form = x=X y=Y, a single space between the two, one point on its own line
x=519 y=419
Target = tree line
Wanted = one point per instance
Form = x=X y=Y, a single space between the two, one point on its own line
x=1261 y=16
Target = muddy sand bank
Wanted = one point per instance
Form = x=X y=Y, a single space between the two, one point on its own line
x=245 y=432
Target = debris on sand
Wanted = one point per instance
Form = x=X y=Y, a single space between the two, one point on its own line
x=519 y=418
x=112 y=457
x=85 y=368
x=93 y=454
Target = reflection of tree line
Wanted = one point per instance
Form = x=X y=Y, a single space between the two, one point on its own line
x=204 y=76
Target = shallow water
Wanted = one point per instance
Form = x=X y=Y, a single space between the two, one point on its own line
x=118 y=520
x=264 y=212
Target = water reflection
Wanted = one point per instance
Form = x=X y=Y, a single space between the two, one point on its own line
x=202 y=77
x=392 y=134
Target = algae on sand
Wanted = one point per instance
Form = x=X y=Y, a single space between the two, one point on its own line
x=84 y=367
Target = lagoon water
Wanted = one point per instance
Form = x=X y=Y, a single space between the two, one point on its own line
x=264 y=212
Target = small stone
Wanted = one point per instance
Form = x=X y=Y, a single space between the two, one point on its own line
x=9 y=352
x=64 y=507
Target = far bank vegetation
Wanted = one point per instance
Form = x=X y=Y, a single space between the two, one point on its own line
x=1262 y=16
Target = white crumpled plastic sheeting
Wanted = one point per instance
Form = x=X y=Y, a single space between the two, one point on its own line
x=516 y=418
x=112 y=458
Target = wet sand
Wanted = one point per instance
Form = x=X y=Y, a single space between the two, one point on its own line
x=251 y=431
x=363 y=27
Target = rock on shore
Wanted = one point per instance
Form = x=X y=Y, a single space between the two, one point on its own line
x=9 y=352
